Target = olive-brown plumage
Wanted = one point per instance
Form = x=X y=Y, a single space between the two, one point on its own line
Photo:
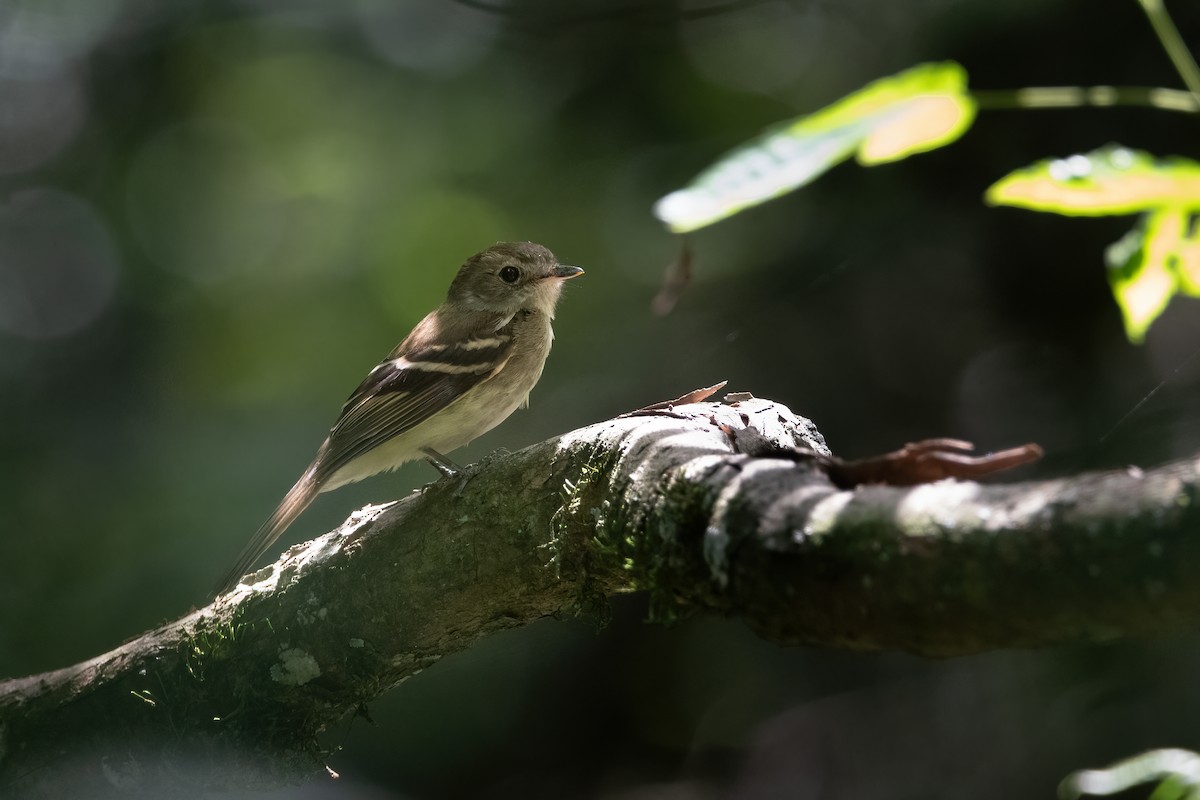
x=460 y=372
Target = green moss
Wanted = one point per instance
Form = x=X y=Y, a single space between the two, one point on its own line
x=208 y=642
x=655 y=549
x=604 y=533
x=580 y=543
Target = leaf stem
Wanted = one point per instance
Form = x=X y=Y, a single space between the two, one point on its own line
x=1079 y=96
x=1172 y=42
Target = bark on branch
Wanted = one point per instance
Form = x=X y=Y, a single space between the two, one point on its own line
x=239 y=691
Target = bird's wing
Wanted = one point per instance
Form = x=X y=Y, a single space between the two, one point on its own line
x=406 y=390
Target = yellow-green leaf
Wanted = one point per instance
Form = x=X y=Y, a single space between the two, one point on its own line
x=1188 y=259
x=1140 y=274
x=919 y=109
x=1111 y=180
x=920 y=123
x=1181 y=768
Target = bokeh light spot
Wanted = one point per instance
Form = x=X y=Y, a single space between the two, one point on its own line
x=38 y=117
x=58 y=266
x=204 y=203
x=39 y=37
x=430 y=36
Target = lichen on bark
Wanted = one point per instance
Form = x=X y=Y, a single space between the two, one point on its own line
x=239 y=692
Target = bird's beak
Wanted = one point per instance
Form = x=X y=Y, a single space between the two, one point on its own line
x=565 y=272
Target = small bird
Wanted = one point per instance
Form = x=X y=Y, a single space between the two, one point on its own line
x=461 y=372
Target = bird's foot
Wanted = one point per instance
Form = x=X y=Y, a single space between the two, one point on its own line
x=448 y=469
x=442 y=464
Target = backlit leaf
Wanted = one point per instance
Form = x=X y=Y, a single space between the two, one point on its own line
x=1179 y=770
x=1140 y=271
x=1188 y=258
x=919 y=109
x=1111 y=180
x=1153 y=262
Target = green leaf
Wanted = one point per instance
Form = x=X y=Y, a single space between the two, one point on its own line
x=1173 y=788
x=1178 y=770
x=1111 y=180
x=919 y=109
x=1151 y=264
x=1140 y=274
x=1187 y=259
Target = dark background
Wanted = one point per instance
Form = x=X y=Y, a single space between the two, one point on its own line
x=215 y=217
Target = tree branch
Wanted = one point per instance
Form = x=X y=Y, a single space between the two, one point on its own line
x=238 y=692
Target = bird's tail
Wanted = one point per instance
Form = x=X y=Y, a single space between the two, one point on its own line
x=293 y=504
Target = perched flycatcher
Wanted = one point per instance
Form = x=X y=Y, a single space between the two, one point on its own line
x=457 y=375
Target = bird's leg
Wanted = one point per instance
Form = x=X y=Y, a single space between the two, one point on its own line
x=447 y=467
x=442 y=464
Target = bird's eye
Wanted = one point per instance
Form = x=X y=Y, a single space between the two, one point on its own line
x=510 y=274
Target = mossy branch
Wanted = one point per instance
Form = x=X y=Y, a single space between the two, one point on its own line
x=239 y=692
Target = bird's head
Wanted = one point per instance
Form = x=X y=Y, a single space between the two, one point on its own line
x=509 y=277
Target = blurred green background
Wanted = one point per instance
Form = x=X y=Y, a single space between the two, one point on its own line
x=215 y=217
